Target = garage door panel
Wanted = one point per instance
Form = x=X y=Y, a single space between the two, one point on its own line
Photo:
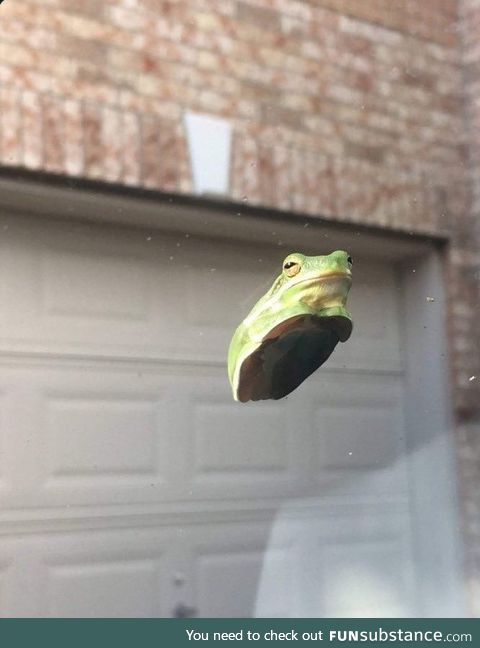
x=127 y=588
x=228 y=576
x=357 y=428
x=118 y=572
x=116 y=415
x=374 y=303
x=255 y=563
x=364 y=580
x=6 y=442
x=81 y=290
x=226 y=563
x=61 y=298
x=87 y=436
x=94 y=286
x=344 y=561
x=94 y=435
x=4 y=579
x=235 y=450
x=112 y=293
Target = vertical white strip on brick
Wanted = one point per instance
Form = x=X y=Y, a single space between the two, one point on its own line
x=282 y=177
x=10 y=122
x=32 y=121
x=298 y=172
x=112 y=144
x=130 y=133
x=53 y=134
x=74 y=153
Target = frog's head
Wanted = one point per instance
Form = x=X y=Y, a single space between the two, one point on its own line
x=294 y=328
x=319 y=282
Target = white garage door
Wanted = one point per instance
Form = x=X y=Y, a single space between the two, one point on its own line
x=131 y=484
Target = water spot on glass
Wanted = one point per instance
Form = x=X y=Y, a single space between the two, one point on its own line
x=148 y=238
x=179 y=244
x=260 y=260
x=171 y=258
x=306 y=225
x=244 y=199
x=350 y=454
x=187 y=235
x=213 y=269
x=471 y=378
x=253 y=164
x=5 y=227
x=414 y=270
x=239 y=213
x=179 y=579
x=430 y=299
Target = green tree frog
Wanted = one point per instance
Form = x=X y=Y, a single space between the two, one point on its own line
x=293 y=328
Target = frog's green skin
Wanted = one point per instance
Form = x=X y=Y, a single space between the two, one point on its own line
x=292 y=329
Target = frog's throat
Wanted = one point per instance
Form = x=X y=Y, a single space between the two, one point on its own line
x=254 y=313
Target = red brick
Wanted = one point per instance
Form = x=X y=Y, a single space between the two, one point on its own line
x=262 y=17
x=151 y=150
x=245 y=172
x=169 y=155
x=313 y=189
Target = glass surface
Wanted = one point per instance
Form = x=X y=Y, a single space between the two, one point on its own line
x=171 y=156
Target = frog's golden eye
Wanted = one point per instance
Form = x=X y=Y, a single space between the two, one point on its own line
x=291 y=268
x=350 y=261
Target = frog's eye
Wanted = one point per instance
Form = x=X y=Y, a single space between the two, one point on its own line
x=350 y=261
x=291 y=268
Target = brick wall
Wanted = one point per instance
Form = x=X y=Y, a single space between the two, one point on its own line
x=362 y=111
x=361 y=99
x=469 y=268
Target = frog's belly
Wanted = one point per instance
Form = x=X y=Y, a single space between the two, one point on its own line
x=282 y=363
